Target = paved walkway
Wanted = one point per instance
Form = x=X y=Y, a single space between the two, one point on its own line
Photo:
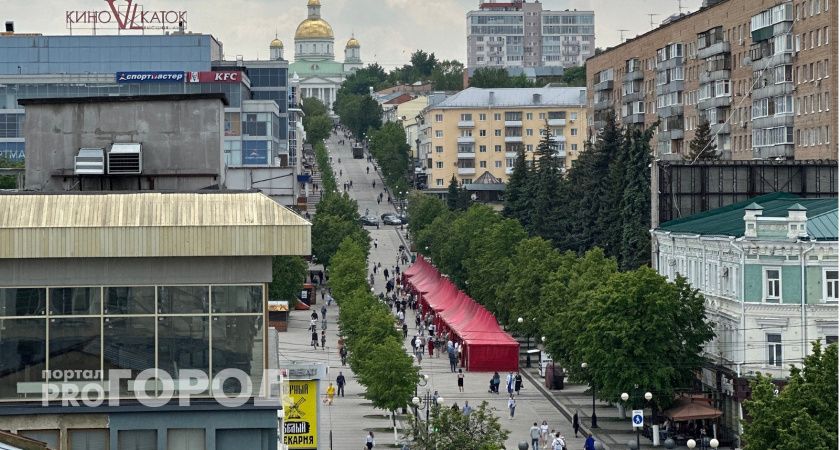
x=350 y=417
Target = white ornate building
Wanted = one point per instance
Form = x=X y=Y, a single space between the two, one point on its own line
x=320 y=74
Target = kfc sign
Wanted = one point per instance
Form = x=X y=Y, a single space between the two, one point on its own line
x=125 y=16
x=225 y=76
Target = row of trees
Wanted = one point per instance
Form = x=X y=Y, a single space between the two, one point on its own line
x=602 y=201
x=393 y=155
x=587 y=309
x=316 y=121
x=490 y=77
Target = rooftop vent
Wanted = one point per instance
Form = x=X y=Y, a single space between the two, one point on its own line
x=10 y=27
x=90 y=161
x=125 y=159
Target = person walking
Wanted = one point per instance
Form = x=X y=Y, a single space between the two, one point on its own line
x=323 y=340
x=467 y=408
x=328 y=400
x=460 y=380
x=404 y=327
x=517 y=382
x=511 y=406
x=369 y=442
x=384 y=272
x=376 y=245
x=340 y=381
x=342 y=353
x=559 y=443
x=314 y=342
x=589 y=444
x=576 y=423
x=509 y=383
x=431 y=345
x=544 y=434
x=496 y=381
x=534 y=432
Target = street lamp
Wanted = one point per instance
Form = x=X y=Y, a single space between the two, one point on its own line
x=691 y=443
x=592 y=386
x=624 y=397
x=714 y=443
x=426 y=403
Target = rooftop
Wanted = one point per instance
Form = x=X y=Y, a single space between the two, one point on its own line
x=125 y=99
x=516 y=97
x=149 y=224
x=729 y=220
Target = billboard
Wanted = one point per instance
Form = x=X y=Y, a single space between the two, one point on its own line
x=300 y=415
x=221 y=76
x=150 y=77
x=125 y=16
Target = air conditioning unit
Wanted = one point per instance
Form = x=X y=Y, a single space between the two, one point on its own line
x=89 y=161
x=125 y=159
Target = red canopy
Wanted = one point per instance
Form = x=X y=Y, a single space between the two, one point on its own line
x=486 y=346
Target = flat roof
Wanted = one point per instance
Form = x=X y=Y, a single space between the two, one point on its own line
x=126 y=98
x=149 y=224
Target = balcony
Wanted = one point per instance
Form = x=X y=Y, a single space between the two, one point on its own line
x=466 y=154
x=776 y=90
x=670 y=111
x=513 y=123
x=560 y=153
x=714 y=102
x=634 y=97
x=511 y=154
x=722 y=128
x=513 y=138
x=773 y=151
x=605 y=85
x=671 y=86
x=634 y=75
x=715 y=75
x=603 y=104
x=466 y=171
x=558 y=138
x=557 y=122
x=714 y=49
x=466 y=140
x=466 y=124
x=633 y=118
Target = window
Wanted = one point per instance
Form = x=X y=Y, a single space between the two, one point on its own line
x=497 y=132
x=439 y=182
x=574 y=131
x=774 y=350
x=482 y=132
x=830 y=340
x=529 y=116
x=574 y=147
x=529 y=148
x=498 y=164
x=482 y=149
x=438 y=117
x=497 y=116
x=497 y=148
x=482 y=116
x=438 y=133
x=438 y=164
x=772 y=285
x=466 y=117
x=439 y=149
x=185 y=439
x=529 y=132
x=88 y=439
x=831 y=283
x=482 y=164
x=574 y=116
x=137 y=439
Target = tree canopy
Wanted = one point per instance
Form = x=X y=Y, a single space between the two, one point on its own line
x=287 y=276
x=703 y=146
x=449 y=428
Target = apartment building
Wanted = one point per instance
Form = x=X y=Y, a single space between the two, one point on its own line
x=521 y=34
x=759 y=71
x=476 y=134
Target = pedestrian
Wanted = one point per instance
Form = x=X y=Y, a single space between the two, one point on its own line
x=324 y=312
x=534 y=432
x=544 y=434
x=467 y=408
x=376 y=245
x=405 y=328
x=314 y=342
x=369 y=442
x=385 y=272
x=509 y=382
x=374 y=184
x=576 y=423
x=431 y=345
x=340 y=381
x=496 y=381
x=460 y=380
x=517 y=382
x=323 y=340
x=511 y=406
x=342 y=353
x=340 y=172
x=453 y=361
x=368 y=169
x=559 y=443
x=313 y=324
x=328 y=400
x=589 y=444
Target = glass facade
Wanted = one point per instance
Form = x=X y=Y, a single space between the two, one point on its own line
x=93 y=329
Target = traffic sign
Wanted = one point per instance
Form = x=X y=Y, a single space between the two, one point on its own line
x=638 y=418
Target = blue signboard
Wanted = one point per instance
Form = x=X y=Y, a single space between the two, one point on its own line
x=255 y=153
x=151 y=77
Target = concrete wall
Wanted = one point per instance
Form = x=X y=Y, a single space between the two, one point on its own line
x=134 y=271
x=279 y=183
x=182 y=137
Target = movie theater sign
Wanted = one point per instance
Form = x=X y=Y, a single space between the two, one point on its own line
x=125 y=15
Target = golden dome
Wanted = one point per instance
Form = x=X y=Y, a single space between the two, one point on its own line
x=276 y=43
x=314 y=29
x=353 y=43
x=314 y=3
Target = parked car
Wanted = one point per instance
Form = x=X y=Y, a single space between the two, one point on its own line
x=391 y=219
x=371 y=221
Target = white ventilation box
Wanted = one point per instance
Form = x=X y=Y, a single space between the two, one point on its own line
x=90 y=161
x=125 y=159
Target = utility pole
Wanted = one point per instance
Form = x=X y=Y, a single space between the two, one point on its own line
x=651 y=20
x=621 y=35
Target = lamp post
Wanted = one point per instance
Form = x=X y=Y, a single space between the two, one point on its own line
x=426 y=403
x=424 y=379
x=528 y=344
x=592 y=386
x=625 y=397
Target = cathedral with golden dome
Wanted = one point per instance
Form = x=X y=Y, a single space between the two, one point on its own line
x=320 y=74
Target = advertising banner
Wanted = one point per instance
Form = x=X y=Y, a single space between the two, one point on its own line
x=150 y=77
x=300 y=415
x=222 y=76
x=125 y=15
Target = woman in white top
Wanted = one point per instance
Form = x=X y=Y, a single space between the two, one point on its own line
x=544 y=434
x=369 y=442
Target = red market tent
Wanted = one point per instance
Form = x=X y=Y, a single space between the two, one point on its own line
x=486 y=347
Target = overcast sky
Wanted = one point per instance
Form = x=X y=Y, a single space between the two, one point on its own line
x=389 y=30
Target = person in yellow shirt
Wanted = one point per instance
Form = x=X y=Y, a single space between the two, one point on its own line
x=330 y=394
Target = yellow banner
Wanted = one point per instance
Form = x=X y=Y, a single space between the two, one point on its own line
x=300 y=415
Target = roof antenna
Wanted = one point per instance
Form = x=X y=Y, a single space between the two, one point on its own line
x=621 y=35
x=679 y=2
x=651 y=20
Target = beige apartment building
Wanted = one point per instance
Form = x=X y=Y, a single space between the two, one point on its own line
x=475 y=134
x=762 y=72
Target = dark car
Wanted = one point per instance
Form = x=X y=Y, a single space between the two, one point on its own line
x=369 y=221
x=391 y=219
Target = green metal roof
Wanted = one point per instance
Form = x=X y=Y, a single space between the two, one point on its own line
x=729 y=220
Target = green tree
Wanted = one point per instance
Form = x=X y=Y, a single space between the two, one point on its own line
x=575 y=76
x=452 y=249
x=287 y=276
x=703 y=146
x=317 y=128
x=388 y=145
x=358 y=112
x=488 y=261
x=451 y=429
x=519 y=294
x=348 y=269
x=422 y=211
x=311 y=106
x=340 y=205
x=490 y=77
x=328 y=231
x=360 y=81
x=448 y=76
x=9 y=181
x=545 y=184
x=635 y=202
x=424 y=62
x=804 y=414
x=452 y=194
x=628 y=309
x=518 y=199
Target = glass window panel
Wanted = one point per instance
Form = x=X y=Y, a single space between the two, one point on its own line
x=130 y=300
x=88 y=439
x=16 y=302
x=49 y=437
x=234 y=339
x=183 y=299
x=75 y=343
x=23 y=350
x=137 y=439
x=75 y=301
x=183 y=343
x=252 y=439
x=129 y=343
x=185 y=439
x=237 y=299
